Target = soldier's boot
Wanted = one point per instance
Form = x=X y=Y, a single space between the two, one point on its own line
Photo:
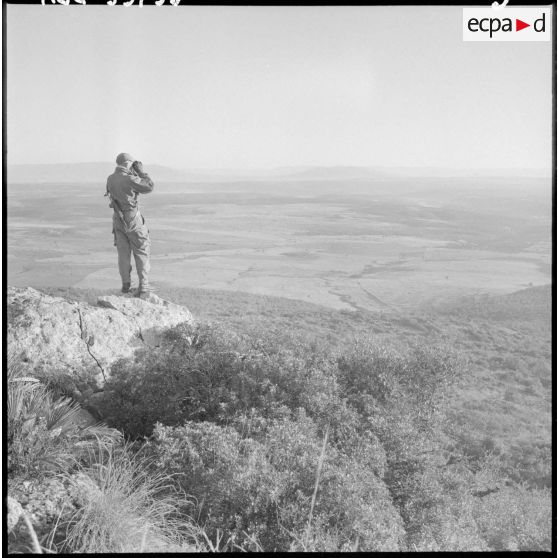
x=143 y=291
x=126 y=287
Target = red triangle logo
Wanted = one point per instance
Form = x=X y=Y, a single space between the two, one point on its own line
x=519 y=25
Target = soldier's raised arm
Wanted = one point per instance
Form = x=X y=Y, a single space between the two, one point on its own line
x=141 y=182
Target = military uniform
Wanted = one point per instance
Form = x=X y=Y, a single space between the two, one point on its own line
x=131 y=235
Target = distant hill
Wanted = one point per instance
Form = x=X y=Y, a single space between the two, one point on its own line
x=98 y=171
x=83 y=172
x=334 y=173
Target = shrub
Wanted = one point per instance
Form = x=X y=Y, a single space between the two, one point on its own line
x=222 y=472
x=210 y=374
x=530 y=465
x=437 y=508
x=259 y=491
x=516 y=518
x=180 y=381
x=382 y=375
x=400 y=395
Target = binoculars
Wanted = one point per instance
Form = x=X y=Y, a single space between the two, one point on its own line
x=137 y=167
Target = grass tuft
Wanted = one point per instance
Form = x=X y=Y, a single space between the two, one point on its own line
x=125 y=509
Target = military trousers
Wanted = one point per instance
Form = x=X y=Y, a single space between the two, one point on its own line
x=132 y=238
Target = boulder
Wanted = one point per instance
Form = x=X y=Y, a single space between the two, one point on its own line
x=52 y=333
x=43 y=499
x=15 y=511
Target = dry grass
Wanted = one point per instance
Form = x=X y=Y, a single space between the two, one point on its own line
x=125 y=508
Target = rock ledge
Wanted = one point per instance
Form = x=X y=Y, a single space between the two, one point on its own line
x=52 y=333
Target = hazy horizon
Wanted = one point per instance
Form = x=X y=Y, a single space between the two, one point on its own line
x=287 y=166
x=489 y=170
x=369 y=177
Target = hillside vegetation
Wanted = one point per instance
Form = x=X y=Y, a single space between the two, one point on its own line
x=280 y=426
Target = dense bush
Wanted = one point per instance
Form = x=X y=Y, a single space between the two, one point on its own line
x=259 y=491
x=242 y=420
x=401 y=394
x=209 y=375
x=516 y=518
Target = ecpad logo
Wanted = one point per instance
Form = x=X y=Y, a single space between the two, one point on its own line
x=494 y=24
x=509 y=24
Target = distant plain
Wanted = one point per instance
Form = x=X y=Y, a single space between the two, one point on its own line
x=348 y=244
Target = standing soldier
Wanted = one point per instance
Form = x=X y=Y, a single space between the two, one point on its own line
x=128 y=225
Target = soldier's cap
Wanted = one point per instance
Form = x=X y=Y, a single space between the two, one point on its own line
x=123 y=157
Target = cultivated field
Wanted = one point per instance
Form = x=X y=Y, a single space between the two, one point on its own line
x=383 y=244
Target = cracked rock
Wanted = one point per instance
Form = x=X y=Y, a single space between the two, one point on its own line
x=69 y=337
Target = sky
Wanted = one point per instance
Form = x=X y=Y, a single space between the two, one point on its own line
x=216 y=87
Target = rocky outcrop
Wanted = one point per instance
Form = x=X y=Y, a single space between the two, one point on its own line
x=47 y=500
x=54 y=334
